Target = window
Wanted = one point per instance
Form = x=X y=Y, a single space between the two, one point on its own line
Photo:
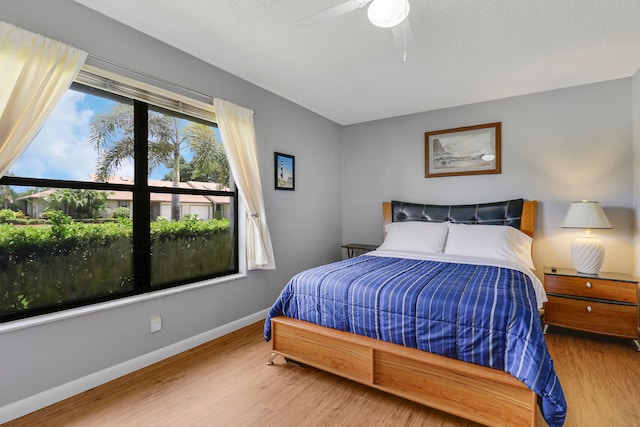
x=116 y=196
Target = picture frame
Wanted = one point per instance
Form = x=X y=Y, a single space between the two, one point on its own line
x=284 y=171
x=470 y=150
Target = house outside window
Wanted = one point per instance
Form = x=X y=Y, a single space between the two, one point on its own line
x=114 y=197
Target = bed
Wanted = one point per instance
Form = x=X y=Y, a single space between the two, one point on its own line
x=443 y=313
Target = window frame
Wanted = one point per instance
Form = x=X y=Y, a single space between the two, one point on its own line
x=141 y=246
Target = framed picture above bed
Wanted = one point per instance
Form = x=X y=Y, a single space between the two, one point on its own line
x=284 y=171
x=471 y=150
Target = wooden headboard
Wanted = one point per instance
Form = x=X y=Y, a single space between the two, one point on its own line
x=527 y=220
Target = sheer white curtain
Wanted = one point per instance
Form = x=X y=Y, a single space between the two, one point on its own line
x=34 y=74
x=239 y=140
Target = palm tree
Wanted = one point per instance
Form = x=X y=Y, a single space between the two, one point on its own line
x=186 y=171
x=7 y=195
x=81 y=203
x=209 y=161
x=112 y=136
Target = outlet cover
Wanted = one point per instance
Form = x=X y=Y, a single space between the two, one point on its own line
x=155 y=323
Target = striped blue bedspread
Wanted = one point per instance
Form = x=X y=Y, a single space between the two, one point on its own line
x=481 y=314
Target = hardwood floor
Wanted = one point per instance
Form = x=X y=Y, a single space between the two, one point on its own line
x=227 y=383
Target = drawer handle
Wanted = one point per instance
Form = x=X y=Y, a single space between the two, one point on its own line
x=588 y=284
x=588 y=309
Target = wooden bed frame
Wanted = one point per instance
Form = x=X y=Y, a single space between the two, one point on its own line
x=481 y=394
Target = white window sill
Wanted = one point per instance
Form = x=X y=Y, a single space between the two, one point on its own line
x=110 y=305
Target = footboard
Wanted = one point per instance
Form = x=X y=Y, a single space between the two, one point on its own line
x=470 y=391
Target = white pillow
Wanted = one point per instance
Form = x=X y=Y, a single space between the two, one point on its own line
x=420 y=236
x=489 y=241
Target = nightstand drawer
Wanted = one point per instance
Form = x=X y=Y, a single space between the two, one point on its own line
x=592 y=288
x=612 y=319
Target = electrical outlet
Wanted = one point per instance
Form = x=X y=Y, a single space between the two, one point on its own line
x=155 y=323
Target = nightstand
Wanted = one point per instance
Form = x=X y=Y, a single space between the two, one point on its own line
x=604 y=303
x=353 y=248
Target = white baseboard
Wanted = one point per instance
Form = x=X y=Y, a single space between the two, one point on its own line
x=41 y=400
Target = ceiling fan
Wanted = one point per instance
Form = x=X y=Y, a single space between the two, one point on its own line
x=382 y=13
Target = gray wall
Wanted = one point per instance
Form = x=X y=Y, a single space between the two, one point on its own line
x=557 y=146
x=304 y=224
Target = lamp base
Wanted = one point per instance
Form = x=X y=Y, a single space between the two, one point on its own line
x=587 y=252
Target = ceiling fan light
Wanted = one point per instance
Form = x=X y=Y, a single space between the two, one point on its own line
x=388 y=13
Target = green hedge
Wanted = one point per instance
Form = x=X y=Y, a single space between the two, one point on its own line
x=49 y=264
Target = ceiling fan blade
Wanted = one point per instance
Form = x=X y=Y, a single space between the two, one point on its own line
x=332 y=12
x=403 y=36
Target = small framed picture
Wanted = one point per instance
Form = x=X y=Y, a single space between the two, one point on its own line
x=285 y=169
x=471 y=150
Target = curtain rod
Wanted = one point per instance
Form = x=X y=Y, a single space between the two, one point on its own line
x=92 y=59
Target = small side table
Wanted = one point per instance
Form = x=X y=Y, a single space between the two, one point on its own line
x=354 y=248
x=605 y=303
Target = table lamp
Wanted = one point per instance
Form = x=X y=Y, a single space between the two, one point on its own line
x=587 y=251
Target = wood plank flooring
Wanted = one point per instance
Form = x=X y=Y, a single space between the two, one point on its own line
x=227 y=382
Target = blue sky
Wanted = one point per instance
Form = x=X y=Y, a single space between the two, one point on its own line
x=61 y=150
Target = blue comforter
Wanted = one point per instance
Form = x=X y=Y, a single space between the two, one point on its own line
x=481 y=314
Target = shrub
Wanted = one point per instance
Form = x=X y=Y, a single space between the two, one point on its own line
x=122 y=212
x=62 y=231
x=49 y=211
x=66 y=260
x=6 y=215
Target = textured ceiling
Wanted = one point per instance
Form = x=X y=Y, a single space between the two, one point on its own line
x=350 y=71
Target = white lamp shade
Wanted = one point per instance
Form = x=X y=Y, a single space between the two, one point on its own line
x=586 y=214
x=388 y=13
